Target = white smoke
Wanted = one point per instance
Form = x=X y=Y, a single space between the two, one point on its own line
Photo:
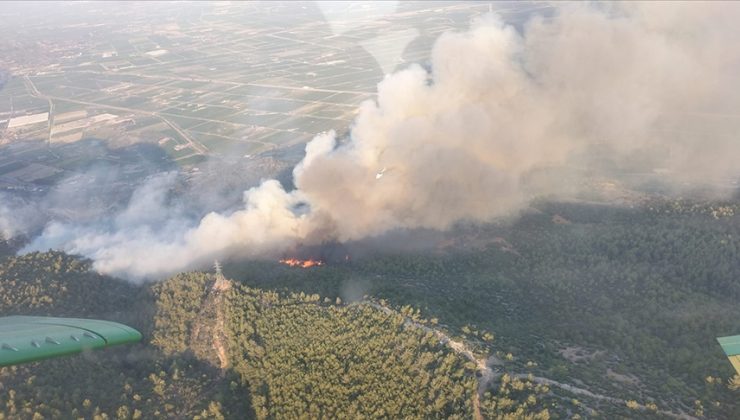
x=457 y=144
x=8 y=226
x=17 y=217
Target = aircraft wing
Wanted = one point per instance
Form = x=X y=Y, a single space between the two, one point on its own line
x=731 y=346
x=29 y=338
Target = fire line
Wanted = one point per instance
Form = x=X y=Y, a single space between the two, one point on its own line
x=295 y=262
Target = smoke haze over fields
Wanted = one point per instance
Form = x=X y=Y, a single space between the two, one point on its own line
x=457 y=144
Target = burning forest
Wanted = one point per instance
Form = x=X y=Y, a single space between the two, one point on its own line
x=459 y=140
x=295 y=262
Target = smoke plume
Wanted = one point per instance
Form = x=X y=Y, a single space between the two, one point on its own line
x=458 y=143
x=9 y=226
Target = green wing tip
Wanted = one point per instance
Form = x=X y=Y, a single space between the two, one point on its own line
x=730 y=344
x=731 y=347
x=124 y=336
x=29 y=338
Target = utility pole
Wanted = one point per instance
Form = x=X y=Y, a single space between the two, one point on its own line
x=221 y=283
x=217 y=267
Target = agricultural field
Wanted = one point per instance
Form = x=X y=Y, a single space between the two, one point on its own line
x=219 y=83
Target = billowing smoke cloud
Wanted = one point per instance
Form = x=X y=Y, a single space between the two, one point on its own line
x=9 y=227
x=17 y=217
x=650 y=80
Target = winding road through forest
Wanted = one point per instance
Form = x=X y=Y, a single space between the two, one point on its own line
x=487 y=374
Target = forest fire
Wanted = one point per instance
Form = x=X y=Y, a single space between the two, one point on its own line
x=295 y=262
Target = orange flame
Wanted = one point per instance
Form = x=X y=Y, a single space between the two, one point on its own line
x=295 y=262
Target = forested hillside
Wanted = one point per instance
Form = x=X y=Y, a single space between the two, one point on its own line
x=133 y=382
x=301 y=356
x=287 y=355
x=626 y=301
x=53 y=283
x=596 y=311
